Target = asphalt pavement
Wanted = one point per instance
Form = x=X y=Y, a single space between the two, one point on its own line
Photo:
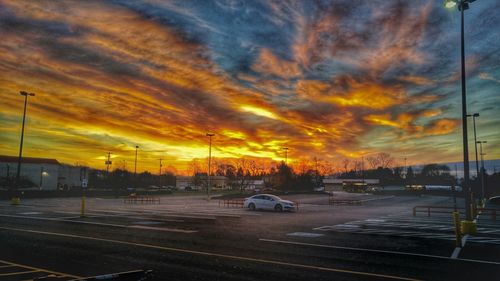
x=188 y=238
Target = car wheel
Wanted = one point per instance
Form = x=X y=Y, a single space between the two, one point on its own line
x=251 y=207
x=278 y=208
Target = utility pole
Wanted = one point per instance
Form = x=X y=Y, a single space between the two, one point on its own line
x=15 y=199
x=135 y=163
x=108 y=163
x=482 y=166
x=475 y=139
x=469 y=226
x=159 y=182
x=41 y=177
x=286 y=155
x=209 y=135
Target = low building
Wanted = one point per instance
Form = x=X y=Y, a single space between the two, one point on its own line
x=335 y=184
x=181 y=182
x=71 y=176
x=255 y=184
x=200 y=181
x=42 y=173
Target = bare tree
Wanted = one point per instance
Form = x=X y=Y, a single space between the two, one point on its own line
x=346 y=163
x=373 y=162
x=384 y=160
x=242 y=166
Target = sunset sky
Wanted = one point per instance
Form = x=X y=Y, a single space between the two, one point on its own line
x=330 y=79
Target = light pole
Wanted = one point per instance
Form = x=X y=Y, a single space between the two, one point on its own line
x=464 y=5
x=286 y=155
x=482 y=166
x=18 y=174
x=135 y=163
x=161 y=165
x=475 y=139
x=209 y=135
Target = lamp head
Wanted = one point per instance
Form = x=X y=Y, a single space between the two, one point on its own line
x=23 y=93
x=450 y=4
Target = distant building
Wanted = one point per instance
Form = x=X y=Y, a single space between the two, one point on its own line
x=181 y=182
x=255 y=184
x=200 y=181
x=44 y=173
x=334 y=184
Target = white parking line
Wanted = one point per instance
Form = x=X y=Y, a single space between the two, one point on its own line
x=103 y=224
x=218 y=255
x=374 y=251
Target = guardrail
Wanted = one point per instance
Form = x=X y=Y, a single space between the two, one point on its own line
x=238 y=203
x=344 y=202
x=447 y=209
x=141 y=200
x=333 y=201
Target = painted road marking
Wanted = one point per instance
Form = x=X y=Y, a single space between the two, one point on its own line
x=101 y=224
x=38 y=269
x=401 y=225
x=161 y=229
x=211 y=254
x=305 y=234
x=374 y=251
x=160 y=214
x=30 y=213
x=147 y=222
x=18 y=273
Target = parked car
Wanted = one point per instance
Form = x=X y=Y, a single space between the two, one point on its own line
x=494 y=201
x=268 y=202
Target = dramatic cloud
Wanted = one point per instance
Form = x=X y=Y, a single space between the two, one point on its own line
x=330 y=79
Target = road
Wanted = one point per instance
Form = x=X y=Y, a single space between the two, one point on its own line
x=187 y=238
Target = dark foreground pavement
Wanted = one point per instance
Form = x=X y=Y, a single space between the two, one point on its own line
x=227 y=246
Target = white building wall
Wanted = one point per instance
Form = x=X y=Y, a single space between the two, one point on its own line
x=46 y=174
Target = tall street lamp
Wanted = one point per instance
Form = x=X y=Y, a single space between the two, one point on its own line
x=18 y=174
x=286 y=155
x=482 y=166
x=209 y=135
x=462 y=6
x=135 y=163
x=161 y=165
x=475 y=139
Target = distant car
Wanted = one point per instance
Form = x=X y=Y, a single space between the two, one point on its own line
x=319 y=189
x=268 y=202
x=494 y=200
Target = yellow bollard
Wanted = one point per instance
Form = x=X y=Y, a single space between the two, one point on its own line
x=468 y=227
x=458 y=231
x=82 y=212
x=15 y=201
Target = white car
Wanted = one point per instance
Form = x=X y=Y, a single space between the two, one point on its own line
x=268 y=202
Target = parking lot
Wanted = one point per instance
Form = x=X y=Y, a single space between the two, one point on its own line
x=188 y=238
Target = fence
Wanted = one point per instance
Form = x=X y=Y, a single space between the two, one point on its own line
x=238 y=203
x=134 y=199
x=333 y=201
x=447 y=209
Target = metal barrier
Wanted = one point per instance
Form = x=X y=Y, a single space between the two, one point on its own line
x=238 y=203
x=333 y=201
x=142 y=200
x=448 y=209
